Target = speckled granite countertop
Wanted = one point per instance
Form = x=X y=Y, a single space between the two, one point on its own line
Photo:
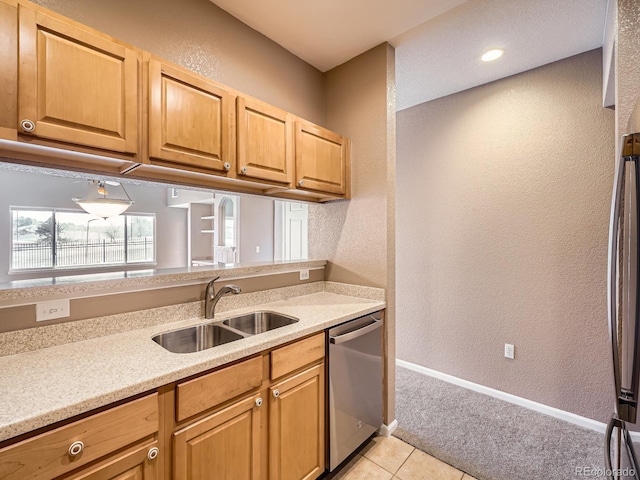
x=44 y=386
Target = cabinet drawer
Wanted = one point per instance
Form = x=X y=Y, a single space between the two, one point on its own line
x=47 y=455
x=202 y=393
x=292 y=357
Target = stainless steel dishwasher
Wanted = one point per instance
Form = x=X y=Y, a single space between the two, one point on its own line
x=355 y=384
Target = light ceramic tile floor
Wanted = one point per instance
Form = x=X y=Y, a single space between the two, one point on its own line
x=390 y=458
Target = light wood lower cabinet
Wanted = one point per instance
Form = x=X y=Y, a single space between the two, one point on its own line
x=67 y=448
x=139 y=463
x=296 y=426
x=259 y=428
x=225 y=445
x=276 y=432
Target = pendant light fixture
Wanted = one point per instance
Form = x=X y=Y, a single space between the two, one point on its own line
x=101 y=203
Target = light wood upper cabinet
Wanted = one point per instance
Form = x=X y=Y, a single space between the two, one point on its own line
x=296 y=426
x=8 y=71
x=67 y=86
x=225 y=445
x=189 y=119
x=265 y=141
x=321 y=159
x=75 y=85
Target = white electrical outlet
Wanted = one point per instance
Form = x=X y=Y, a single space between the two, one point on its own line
x=257 y=248
x=304 y=274
x=52 y=310
x=509 y=351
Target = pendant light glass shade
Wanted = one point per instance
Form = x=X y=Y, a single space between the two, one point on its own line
x=100 y=203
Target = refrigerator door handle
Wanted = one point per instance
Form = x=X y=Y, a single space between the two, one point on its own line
x=614 y=227
x=614 y=423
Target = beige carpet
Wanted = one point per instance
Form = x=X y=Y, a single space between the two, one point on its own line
x=488 y=438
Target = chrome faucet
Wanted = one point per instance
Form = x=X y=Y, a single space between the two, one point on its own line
x=211 y=298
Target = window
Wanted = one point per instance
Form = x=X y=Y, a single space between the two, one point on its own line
x=48 y=239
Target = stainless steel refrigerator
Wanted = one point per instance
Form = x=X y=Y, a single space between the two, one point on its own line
x=624 y=304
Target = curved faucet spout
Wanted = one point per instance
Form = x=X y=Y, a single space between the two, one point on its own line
x=211 y=298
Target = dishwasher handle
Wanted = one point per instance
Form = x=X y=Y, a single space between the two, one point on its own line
x=345 y=337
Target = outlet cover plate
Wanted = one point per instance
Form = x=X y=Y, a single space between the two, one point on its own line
x=509 y=351
x=52 y=310
x=304 y=274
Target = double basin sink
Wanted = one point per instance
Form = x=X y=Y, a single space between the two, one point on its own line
x=209 y=335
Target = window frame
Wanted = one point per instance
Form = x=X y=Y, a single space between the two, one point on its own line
x=79 y=268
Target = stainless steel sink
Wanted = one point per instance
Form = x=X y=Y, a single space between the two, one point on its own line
x=258 y=322
x=194 y=339
x=209 y=335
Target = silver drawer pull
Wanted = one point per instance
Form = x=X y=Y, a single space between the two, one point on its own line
x=276 y=393
x=76 y=448
x=227 y=166
x=258 y=402
x=152 y=454
x=27 y=125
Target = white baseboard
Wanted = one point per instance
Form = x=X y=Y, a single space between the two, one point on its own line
x=507 y=397
x=387 y=430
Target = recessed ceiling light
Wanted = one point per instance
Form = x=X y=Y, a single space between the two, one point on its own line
x=492 y=55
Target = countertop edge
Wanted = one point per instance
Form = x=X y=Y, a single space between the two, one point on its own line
x=23 y=290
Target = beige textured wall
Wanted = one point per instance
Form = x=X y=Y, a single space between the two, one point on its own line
x=627 y=62
x=355 y=236
x=503 y=199
x=203 y=38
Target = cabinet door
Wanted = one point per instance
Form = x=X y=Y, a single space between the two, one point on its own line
x=265 y=141
x=296 y=426
x=226 y=445
x=8 y=71
x=188 y=119
x=139 y=463
x=321 y=159
x=76 y=86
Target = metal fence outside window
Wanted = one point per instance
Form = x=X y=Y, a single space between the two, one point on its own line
x=78 y=253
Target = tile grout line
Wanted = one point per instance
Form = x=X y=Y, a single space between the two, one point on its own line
x=405 y=461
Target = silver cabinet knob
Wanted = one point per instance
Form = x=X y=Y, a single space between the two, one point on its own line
x=227 y=166
x=152 y=454
x=276 y=393
x=76 y=448
x=258 y=402
x=301 y=182
x=27 y=125
x=243 y=170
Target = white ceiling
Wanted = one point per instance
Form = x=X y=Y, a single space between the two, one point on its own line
x=438 y=42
